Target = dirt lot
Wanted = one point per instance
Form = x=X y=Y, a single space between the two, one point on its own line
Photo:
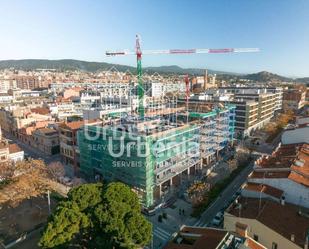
x=28 y=215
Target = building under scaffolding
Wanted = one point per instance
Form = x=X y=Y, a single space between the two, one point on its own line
x=157 y=154
x=149 y=156
x=216 y=130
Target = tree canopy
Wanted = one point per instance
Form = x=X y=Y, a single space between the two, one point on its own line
x=97 y=216
x=23 y=180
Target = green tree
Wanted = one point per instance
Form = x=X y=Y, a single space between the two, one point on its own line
x=66 y=222
x=98 y=217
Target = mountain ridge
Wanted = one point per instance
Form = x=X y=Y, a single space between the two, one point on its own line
x=92 y=66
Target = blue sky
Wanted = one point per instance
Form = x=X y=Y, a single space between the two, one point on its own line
x=57 y=29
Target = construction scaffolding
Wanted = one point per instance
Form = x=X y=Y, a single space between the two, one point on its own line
x=153 y=149
x=142 y=160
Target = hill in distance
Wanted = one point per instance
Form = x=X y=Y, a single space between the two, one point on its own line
x=265 y=76
x=69 y=64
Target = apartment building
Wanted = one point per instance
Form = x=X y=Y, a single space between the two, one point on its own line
x=46 y=140
x=217 y=128
x=156 y=155
x=27 y=82
x=14 y=118
x=254 y=107
x=153 y=161
x=249 y=114
x=9 y=151
x=7 y=84
x=253 y=111
x=254 y=90
x=63 y=109
x=69 y=149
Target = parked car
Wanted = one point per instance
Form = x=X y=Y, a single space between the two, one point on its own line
x=218 y=219
x=149 y=212
x=220 y=214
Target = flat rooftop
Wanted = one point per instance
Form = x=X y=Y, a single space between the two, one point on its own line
x=156 y=126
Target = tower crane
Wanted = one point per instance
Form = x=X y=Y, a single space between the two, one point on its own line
x=138 y=52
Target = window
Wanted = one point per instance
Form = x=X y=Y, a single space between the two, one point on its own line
x=274 y=246
x=256 y=237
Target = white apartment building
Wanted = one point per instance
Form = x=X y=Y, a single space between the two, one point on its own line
x=248 y=91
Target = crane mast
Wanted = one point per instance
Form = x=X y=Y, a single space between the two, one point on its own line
x=138 y=52
x=140 y=86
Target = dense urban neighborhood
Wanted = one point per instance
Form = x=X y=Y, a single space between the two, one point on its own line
x=208 y=159
x=154 y=124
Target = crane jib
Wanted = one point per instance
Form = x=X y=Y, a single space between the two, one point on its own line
x=182 y=51
x=115 y=53
x=221 y=50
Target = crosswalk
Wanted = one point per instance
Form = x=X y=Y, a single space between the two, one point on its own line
x=161 y=234
x=200 y=223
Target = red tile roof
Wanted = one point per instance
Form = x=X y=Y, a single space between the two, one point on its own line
x=299 y=179
x=14 y=148
x=72 y=125
x=76 y=124
x=269 y=174
x=40 y=110
x=283 y=219
x=264 y=188
x=294 y=158
x=205 y=238
x=252 y=244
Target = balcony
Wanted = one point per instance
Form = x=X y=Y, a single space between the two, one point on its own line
x=177 y=169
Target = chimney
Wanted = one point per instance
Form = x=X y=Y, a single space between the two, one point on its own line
x=282 y=201
x=205 y=79
x=292 y=237
x=241 y=229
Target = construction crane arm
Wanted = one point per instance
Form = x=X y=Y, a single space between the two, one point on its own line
x=186 y=51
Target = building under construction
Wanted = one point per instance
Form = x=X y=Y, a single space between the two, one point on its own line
x=160 y=142
x=157 y=153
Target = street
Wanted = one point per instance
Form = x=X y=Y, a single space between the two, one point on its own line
x=162 y=232
x=225 y=197
x=32 y=152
